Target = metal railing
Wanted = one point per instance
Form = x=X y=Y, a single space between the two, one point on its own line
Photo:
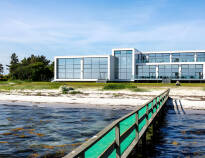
x=118 y=139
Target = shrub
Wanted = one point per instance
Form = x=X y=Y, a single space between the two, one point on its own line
x=64 y=89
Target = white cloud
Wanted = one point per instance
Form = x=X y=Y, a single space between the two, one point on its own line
x=132 y=27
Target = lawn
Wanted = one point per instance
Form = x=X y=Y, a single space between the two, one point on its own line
x=11 y=85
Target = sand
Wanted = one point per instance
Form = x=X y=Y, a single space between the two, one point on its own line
x=185 y=98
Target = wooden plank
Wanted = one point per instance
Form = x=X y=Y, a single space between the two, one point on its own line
x=118 y=139
x=147 y=114
x=137 y=123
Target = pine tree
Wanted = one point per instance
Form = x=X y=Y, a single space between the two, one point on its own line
x=1 y=69
x=13 y=65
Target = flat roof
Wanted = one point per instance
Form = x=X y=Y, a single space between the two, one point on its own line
x=85 y=56
x=176 y=51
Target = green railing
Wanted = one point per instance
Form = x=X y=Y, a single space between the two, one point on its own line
x=119 y=138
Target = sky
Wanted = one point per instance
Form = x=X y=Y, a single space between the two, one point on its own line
x=91 y=27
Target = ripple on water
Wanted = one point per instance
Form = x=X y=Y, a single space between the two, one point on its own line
x=27 y=131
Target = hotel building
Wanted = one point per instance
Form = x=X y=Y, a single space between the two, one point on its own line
x=129 y=64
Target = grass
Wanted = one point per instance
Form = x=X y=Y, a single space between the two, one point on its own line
x=20 y=85
x=118 y=86
x=115 y=86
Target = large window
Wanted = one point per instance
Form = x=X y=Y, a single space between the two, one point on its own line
x=192 y=71
x=159 y=57
x=141 y=58
x=168 y=71
x=183 y=57
x=68 y=68
x=146 y=71
x=200 y=57
x=123 y=65
x=95 y=68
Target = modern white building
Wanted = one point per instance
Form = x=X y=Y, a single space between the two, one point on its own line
x=129 y=64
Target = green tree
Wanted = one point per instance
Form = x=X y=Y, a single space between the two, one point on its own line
x=13 y=65
x=33 y=68
x=14 y=59
x=1 y=69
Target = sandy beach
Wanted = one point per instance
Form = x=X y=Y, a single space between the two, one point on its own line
x=185 y=97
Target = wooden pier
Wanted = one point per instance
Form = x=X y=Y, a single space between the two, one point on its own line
x=118 y=139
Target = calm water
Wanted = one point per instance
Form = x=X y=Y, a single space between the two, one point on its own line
x=182 y=134
x=35 y=131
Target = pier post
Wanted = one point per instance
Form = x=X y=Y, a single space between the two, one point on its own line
x=117 y=135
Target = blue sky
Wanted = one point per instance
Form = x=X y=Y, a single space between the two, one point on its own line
x=86 y=27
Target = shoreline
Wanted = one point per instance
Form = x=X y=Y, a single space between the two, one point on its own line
x=186 y=98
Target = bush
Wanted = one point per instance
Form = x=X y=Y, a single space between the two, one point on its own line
x=64 y=89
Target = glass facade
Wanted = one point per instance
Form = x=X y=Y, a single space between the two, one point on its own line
x=95 y=68
x=183 y=57
x=141 y=58
x=168 y=71
x=123 y=64
x=68 y=68
x=146 y=71
x=151 y=65
x=192 y=71
x=200 y=57
x=159 y=57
